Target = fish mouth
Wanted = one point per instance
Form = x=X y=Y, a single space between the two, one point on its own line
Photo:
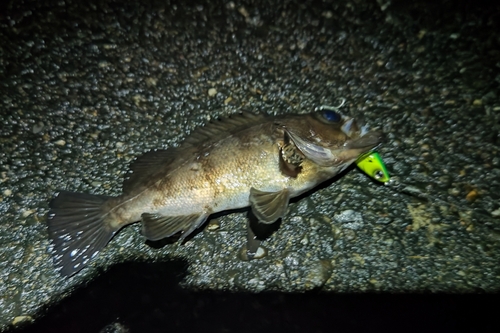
x=324 y=156
x=366 y=142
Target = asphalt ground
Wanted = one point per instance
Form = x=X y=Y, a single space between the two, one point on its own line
x=87 y=86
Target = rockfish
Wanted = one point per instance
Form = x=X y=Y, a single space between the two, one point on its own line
x=243 y=160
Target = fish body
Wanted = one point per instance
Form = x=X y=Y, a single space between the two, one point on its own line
x=244 y=160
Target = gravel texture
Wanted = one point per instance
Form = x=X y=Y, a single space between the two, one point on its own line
x=87 y=86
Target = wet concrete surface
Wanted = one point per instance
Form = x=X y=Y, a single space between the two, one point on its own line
x=85 y=87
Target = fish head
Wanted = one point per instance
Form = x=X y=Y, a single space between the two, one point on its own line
x=329 y=138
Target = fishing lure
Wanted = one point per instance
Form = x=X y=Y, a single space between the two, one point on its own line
x=372 y=164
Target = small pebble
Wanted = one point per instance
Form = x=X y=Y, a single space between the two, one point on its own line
x=212 y=92
x=151 y=82
x=27 y=213
x=38 y=127
x=472 y=196
x=421 y=34
x=261 y=252
x=327 y=14
x=496 y=213
x=243 y=12
x=213 y=225
x=20 y=319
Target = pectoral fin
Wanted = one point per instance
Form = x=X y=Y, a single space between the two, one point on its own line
x=156 y=227
x=269 y=206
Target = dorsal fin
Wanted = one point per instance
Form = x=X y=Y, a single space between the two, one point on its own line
x=145 y=166
x=222 y=127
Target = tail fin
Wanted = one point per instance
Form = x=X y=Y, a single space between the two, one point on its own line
x=77 y=229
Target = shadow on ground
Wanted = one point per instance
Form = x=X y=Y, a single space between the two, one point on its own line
x=146 y=297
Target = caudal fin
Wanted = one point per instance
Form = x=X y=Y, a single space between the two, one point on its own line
x=77 y=229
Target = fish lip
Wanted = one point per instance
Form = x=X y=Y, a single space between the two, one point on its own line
x=368 y=141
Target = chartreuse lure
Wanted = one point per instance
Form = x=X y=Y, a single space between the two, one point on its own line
x=372 y=164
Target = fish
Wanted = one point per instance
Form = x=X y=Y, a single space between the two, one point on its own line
x=243 y=160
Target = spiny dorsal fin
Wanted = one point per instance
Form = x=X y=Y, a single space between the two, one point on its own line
x=144 y=167
x=222 y=127
x=147 y=167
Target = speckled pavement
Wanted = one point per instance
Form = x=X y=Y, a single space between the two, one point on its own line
x=87 y=86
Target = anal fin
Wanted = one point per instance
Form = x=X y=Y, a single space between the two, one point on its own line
x=268 y=207
x=156 y=227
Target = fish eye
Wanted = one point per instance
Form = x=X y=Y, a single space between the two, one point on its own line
x=331 y=116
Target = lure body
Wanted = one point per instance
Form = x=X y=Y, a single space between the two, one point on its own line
x=372 y=164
